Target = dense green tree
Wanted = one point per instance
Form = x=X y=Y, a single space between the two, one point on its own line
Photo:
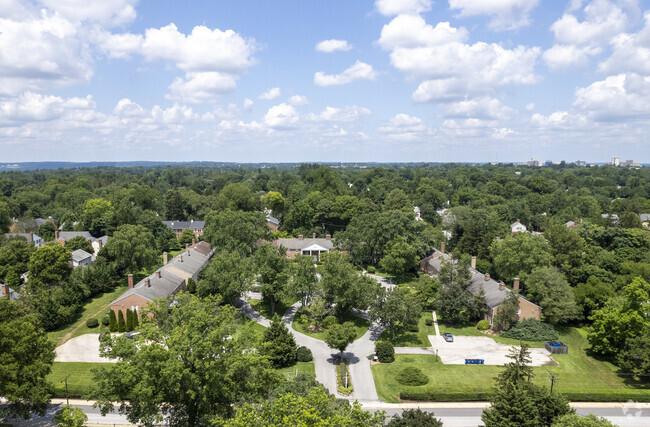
x=70 y=416
x=592 y=295
x=343 y=286
x=98 y=217
x=235 y=230
x=622 y=319
x=5 y=217
x=274 y=201
x=49 y=265
x=121 y=324
x=46 y=231
x=630 y=220
x=518 y=255
x=635 y=357
x=132 y=248
x=304 y=282
x=400 y=259
x=278 y=344
x=186 y=237
x=186 y=366
x=426 y=289
x=273 y=270
x=228 y=275
x=415 y=417
x=516 y=401
x=566 y=247
x=316 y=408
x=79 y=242
x=112 y=319
x=397 y=200
x=547 y=287
x=237 y=197
x=191 y=286
x=174 y=205
x=129 y=320
x=15 y=254
x=26 y=356
x=575 y=420
x=507 y=312
x=396 y=310
x=339 y=336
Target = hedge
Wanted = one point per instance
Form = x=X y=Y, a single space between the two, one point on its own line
x=385 y=351
x=92 y=322
x=412 y=376
x=422 y=395
x=303 y=354
x=531 y=330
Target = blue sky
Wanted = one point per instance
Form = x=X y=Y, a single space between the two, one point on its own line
x=385 y=80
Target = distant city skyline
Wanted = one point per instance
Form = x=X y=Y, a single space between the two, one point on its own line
x=337 y=81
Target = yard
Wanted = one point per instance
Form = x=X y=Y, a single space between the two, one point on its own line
x=80 y=377
x=413 y=339
x=95 y=307
x=360 y=324
x=580 y=377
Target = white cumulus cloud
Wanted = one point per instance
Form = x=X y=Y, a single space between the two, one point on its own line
x=358 y=71
x=332 y=45
x=270 y=94
x=344 y=114
x=112 y=12
x=506 y=14
x=298 y=100
x=399 y=7
x=282 y=116
x=201 y=87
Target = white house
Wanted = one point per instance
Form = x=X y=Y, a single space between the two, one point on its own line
x=81 y=258
x=517 y=227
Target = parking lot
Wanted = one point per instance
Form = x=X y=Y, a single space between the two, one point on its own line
x=492 y=352
x=84 y=348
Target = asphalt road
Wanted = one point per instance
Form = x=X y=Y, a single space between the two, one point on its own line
x=462 y=414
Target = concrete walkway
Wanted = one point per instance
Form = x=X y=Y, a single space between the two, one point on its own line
x=435 y=323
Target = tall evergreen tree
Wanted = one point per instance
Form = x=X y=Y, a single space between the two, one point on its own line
x=112 y=322
x=129 y=320
x=278 y=344
x=121 y=325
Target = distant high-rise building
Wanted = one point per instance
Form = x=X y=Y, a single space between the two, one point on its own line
x=534 y=162
x=581 y=163
x=548 y=163
x=616 y=161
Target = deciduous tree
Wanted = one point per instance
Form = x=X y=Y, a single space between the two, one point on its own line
x=228 y=275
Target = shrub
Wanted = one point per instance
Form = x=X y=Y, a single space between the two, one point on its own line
x=531 y=330
x=106 y=321
x=92 y=322
x=121 y=325
x=371 y=269
x=414 y=417
x=304 y=354
x=483 y=325
x=412 y=376
x=414 y=328
x=191 y=286
x=385 y=351
x=428 y=322
x=129 y=320
x=330 y=321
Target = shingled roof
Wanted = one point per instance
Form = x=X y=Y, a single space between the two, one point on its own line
x=186 y=265
x=494 y=296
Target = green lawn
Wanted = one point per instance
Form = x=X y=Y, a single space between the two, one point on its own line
x=360 y=324
x=94 y=307
x=580 y=376
x=80 y=377
x=412 y=339
x=473 y=332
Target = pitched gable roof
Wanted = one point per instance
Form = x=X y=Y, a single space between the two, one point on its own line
x=182 y=225
x=79 y=255
x=300 y=244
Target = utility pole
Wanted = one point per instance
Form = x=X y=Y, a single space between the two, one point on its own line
x=552 y=379
x=67 y=400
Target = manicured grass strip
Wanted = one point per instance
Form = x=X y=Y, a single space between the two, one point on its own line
x=264 y=308
x=360 y=324
x=80 y=377
x=290 y=372
x=473 y=332
x=580 y=377
x=94 y=307
x=413 y=339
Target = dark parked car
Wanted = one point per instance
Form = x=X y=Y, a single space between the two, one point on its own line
x=448 y=337
x=131 y=335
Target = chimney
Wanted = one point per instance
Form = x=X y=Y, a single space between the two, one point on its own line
x=328 y=237
x=180 y=257
x=90 y=242
x=188 y=252
x=442 y=247
x=515 y=284
x=31 y=237
x=474 y=262
x=193 y=242
x=518 y=221
x=502 y=286
x=5 y=291
x=187 y=245
x=487 y=276
x=130 y=280
x=165 y=258
x=147 y=282
x=300 y=237
x=101 y=244
x=56 y=235
x=158 y=274
x=313 y=236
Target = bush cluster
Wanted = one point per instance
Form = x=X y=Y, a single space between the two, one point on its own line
x=385 y=351
x=483 y=325
x=412 y=376
x=92 y=322
x=531 y=330
x=303 y=354
x=106 y=321
x=330 y=321
x=371 y=269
